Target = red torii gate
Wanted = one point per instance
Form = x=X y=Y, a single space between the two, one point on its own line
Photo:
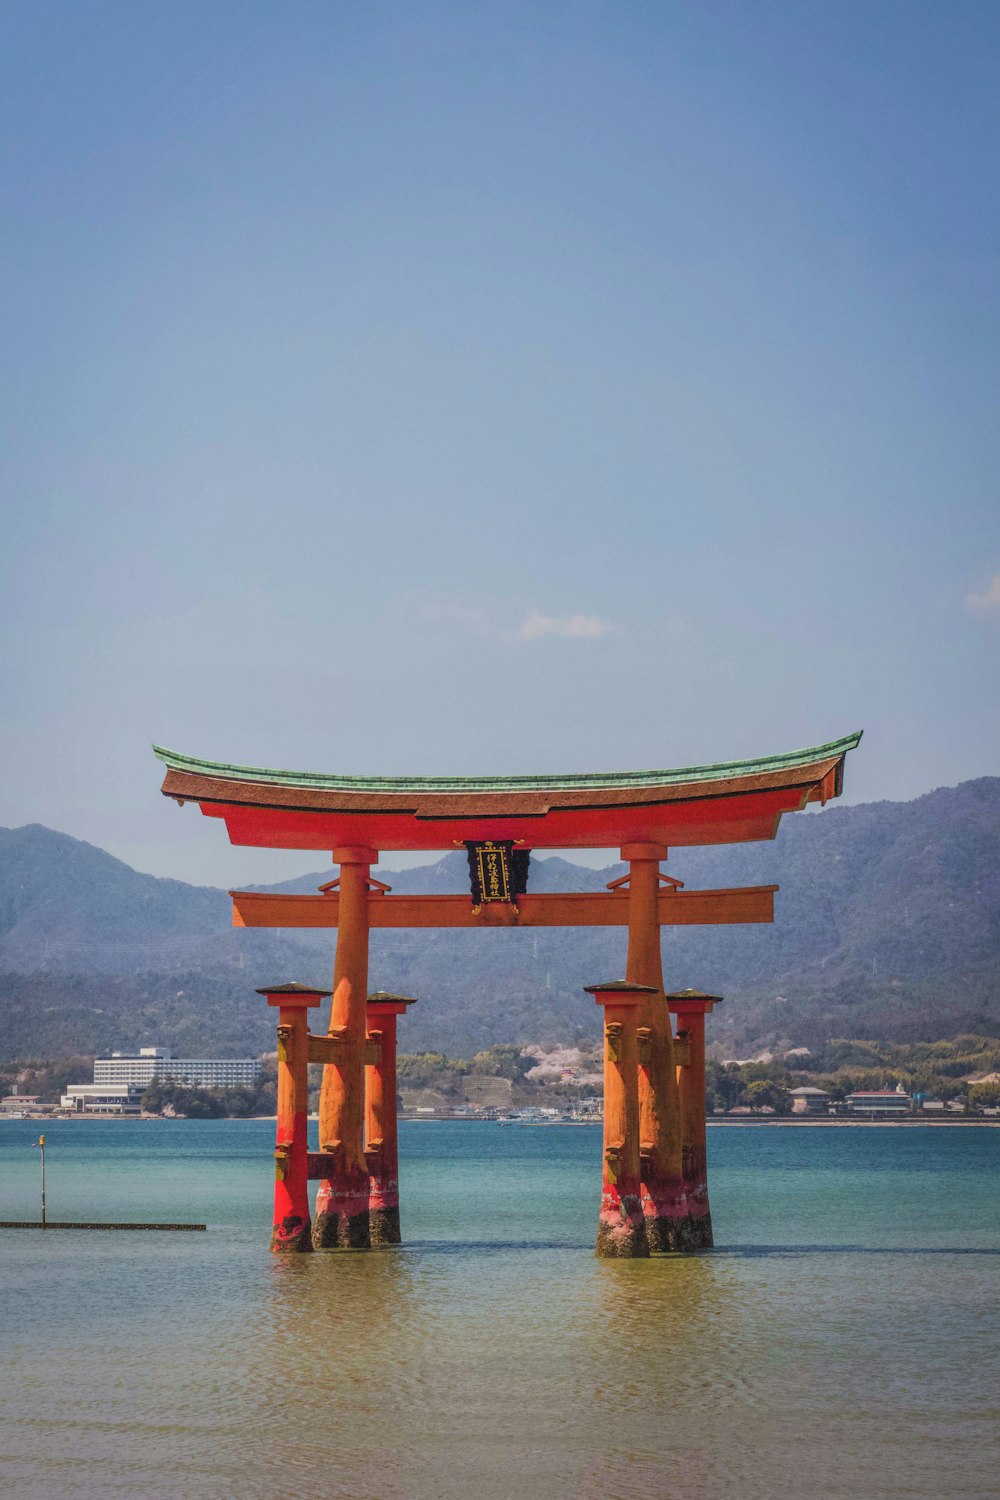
x=654 y=1080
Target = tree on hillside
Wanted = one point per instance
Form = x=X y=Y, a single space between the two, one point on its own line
x=153 y=1098
x=422 y=1070
x=764 y=1093
x=503 y=1062
x=723 y=1085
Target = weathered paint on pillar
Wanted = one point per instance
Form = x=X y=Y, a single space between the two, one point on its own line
x=664 y=1197
x=620 y=1229
x=291 y=1230
x=381 y=1122
x=690 y=1007
x=342 y=1199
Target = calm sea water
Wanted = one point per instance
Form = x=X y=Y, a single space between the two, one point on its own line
x=842 y=1341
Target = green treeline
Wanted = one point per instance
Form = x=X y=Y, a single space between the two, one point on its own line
x=214 y=1104
x=939 y=1070
x=420 y=1070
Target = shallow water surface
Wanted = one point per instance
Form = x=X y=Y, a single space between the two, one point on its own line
x=844 y=1332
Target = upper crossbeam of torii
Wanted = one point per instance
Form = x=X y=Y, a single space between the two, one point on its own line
x=727 y=803
x=654 y=1194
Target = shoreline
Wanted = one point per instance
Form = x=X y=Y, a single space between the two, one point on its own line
x=783 y=1122
x=866 y=1124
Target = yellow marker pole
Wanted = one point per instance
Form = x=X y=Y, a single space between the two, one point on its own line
x=41 y=1142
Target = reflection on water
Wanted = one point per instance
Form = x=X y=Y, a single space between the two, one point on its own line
x=492 y=1355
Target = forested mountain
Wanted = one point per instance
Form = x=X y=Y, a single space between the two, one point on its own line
x=887 y=926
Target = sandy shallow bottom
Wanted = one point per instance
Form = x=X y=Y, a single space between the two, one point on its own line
x=844 y=1329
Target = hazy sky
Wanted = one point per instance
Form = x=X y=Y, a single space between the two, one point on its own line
x=454 y=387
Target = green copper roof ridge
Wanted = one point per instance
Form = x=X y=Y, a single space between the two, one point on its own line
x=321 y=781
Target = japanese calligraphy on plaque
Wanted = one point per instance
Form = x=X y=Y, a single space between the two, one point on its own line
x=497 y=871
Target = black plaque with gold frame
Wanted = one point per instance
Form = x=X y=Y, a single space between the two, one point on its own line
x=497 y=871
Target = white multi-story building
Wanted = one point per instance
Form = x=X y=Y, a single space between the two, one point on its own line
x=883 y=1102
x=140 y=1068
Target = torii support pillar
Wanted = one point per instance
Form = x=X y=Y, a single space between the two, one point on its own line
x=291 y=1232
x=690 y=1007
x=381 y=1122
x=342 y=1198
x=664 y=1199
x=620 y=1228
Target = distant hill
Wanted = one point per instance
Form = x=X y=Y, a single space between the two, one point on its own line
x=887 y=926
x=94 y=955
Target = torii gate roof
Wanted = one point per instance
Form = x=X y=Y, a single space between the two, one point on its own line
x=728 y=802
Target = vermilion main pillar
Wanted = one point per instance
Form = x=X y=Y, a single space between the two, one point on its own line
x=664 y=1197
x=291 y=1231
x=381 y=1120
x=690 y=1007
x=620 y=1229
x=342 y=1199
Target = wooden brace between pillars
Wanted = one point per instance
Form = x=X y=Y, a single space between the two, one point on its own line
x=330 y=1049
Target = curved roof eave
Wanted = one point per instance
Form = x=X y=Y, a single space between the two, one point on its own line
x=424 y=785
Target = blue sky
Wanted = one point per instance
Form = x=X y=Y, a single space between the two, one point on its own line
x=453 y=387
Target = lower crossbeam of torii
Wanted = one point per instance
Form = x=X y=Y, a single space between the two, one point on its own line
x=654 y=1194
